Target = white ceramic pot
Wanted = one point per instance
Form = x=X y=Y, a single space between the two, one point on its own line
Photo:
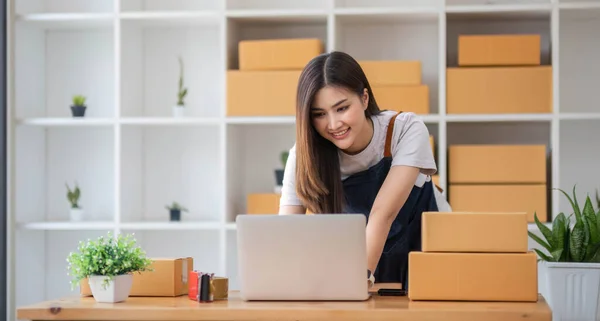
x=117 y=290
x=178 y=111
x=76 y=214
x=571 y=290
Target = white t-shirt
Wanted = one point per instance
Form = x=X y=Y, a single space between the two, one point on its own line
x=410 y=146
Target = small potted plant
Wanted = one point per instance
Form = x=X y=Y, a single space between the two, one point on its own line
x=179 y=109
x=571 y=265
x=108 y=263
x=279 y=172
x=78 y=108
x=175 y=210
x=73 y=195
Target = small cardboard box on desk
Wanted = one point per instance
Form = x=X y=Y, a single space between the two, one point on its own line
x=169 y=278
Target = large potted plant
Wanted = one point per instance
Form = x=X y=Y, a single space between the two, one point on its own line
x=108 y=263
x=571 y=266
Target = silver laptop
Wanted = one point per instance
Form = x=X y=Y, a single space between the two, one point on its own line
x=302 y=257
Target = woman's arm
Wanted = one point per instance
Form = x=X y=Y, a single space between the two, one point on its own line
x=390 y=199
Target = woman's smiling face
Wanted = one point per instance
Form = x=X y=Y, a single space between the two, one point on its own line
x=339 y=116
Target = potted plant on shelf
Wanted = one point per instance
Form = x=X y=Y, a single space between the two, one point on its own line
x=175 y=210
x=76 y=212
x=279 y=172
x=179 y=109
x=108 y=263
x=78 y=108
x=572 y=264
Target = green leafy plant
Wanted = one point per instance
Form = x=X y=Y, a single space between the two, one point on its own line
x=176 y=206
x=182 y=92
x=284 y=156
x=78 y=100
x=566 y=243
x=73 y=195
x=107 y=256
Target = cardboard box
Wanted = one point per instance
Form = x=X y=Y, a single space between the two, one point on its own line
x=267 y=203
x=501 y=198
x=392 y=72
x=220 y=287
x=403 y=98
x=497 y=90
x=169 y=279
x=500 y=232
x=278 y=54
x=473 y=276
x=262 y=93
x=499 y=50
x=432 y=143
x=497 y=164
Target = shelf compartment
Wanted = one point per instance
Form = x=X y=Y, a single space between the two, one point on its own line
x=412 y=39
x=162 y=165
x=503 y=133
x=272 y=27
x=44 y=65
x=62 y=6
x=49 y=158
x=578 y=162
x=150 y=67
x=253 y=155
x=202 y=246
x=578 y=46
x=169 y=5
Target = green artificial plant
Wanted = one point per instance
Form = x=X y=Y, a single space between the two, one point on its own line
x=565 y=243
x=78 y=100
x=107 y=256
x=176 y=206
x=73 y=195
x=182 y=92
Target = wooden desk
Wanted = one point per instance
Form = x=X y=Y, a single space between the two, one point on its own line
x=376 y=308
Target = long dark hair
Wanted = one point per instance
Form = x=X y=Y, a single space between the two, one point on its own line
x=318 y=178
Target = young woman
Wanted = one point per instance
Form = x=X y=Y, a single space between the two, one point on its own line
x=352 y=157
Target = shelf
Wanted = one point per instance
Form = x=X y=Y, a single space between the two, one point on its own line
x=171 y=19
x=485 y=118
x=169 y=226
x=277 y=16
x=67 y=226
x=151 y=6
x=167 y=121
x=67 y=21
x=386 y=4
x=281 y=120
x=275 y=6
x=66 y=122
x=393 y=14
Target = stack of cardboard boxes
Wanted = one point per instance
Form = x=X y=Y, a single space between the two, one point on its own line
x=473 y=257
x=498 y=178
x=397 y=84
x=499 y=74
x=267 y=79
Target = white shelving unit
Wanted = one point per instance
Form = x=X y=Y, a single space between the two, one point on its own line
x=131 y=158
